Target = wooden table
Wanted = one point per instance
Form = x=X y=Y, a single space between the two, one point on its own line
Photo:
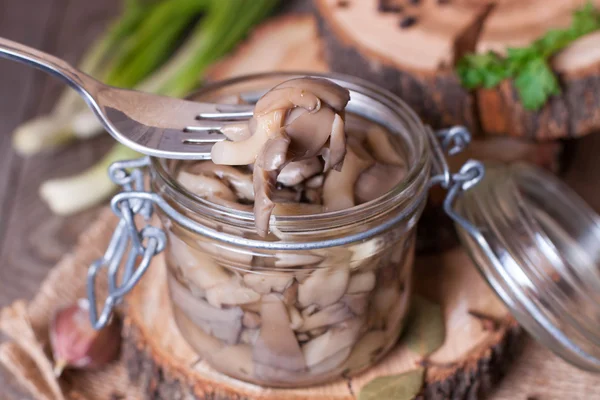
x=31 y=238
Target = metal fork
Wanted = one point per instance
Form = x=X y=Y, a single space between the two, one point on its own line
x=158 y=126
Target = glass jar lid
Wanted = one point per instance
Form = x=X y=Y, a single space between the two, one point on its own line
x=538 y=245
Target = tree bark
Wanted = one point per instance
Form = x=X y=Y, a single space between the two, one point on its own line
x=417 y=62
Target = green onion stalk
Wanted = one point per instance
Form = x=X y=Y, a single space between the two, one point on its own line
x=223 y=25
x=65 y=196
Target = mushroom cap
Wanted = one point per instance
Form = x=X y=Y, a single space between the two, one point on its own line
x=309 y=131
x=335 y=96
x=286 y=98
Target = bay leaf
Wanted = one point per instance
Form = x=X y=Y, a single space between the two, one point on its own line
x=425 y=331
x=404 y=386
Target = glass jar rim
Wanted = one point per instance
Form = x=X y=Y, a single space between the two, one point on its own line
x=415 y=181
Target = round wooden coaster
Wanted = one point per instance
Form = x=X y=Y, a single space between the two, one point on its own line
x=412 y=47
x=481 y=338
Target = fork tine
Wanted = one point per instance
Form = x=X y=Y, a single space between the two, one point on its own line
x=210 y=125
x=229 y=112
x=196 y=144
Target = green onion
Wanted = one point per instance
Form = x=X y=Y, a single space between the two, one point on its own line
x=224 y=24
x=70 y=195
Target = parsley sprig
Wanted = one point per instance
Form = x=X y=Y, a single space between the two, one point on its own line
x=529 y=67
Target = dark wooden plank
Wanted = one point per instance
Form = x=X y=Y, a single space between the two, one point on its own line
x=35 y=239
x=31 y=238
x=19 y=88
x=19 y=85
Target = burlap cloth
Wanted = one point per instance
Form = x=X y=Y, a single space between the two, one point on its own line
x=536 y=374
x=26 y=356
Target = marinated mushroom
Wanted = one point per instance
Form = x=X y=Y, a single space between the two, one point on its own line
x=295 y=121
x=361 y=282
x=296 y=320
x=377 y=181
x=239 y=181
x=197 y=266
x=268 y=282
x=231 y=293
x=241 y=353
x=286 y=260
x=238 y=132
x=249 y=336
x=251 y=320
x=356 y=303
x=288 y=152
x=226 y=254
x=224 y=324
x=297 y=209
x=276 y=346
x=298 y=171
x=281 y=317
x=245 y=152
x=330 y=93
x=331 y=362
x=323 y=287
x=382 y=148
x=196 y=336
x=205 y=186
x=338 y=188
x=330 y=315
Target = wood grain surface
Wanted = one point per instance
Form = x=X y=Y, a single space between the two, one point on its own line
x=32 y=239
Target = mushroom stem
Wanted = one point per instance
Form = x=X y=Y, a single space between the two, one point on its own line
x=338 y=188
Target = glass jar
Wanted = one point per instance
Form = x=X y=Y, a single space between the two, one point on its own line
x=323 y=295
x=296 y=317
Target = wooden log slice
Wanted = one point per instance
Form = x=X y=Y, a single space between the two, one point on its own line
x=417 y=62
x=481 y=338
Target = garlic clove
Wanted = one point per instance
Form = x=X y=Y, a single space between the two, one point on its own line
x=75 y=343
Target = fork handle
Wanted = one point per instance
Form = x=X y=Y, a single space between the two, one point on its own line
x=79 y=80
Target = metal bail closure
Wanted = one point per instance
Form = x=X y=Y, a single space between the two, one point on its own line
x=132 y=246
x=538 y=245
